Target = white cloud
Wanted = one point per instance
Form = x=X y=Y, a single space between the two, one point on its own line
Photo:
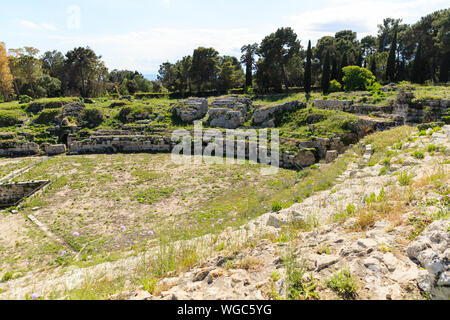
x=146 y=50
x=35 y=26
x=29 y=24
x=48 y=27
x=364 y=15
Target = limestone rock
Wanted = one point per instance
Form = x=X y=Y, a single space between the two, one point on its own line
x=54 y=149
x=325 y=261
x=264 y=116
x=191 y=109
x=305 y=158
x=430 y=251
x=331 y=156
x=225 y=118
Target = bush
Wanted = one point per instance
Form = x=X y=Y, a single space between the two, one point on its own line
x=375 y=87
x=9 y=118
x=132 y=113
x=343 y=284
x=405 y=179
x=48 y=116
x=277 y=206
x=418 y=155
x=151 y=95
x=93 y=117
x=357 y=78
x=25 y=99
x=335 y=86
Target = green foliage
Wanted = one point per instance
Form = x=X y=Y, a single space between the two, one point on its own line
x=308 y=69
x=48 y=116
x=134 y=112
x=149 y=285
x=150 y=95
x=418 y=155
x=297 y=287
x=93 y=117
x=432 y=148
x=25 y=99
x=326 y=74
x=357 y=78
x=151 y=195
x=276 y=206
x=405 y=179
x=343 y=284
x=9 y=118
x=335 y=86
x=7 y=276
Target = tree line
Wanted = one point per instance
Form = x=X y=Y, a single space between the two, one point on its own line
x=419 y=52
x=80 y=72
x=399 y=51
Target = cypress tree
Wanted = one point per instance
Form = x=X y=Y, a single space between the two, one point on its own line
x=416 y=75
x=344 y=63
x=326 y=74
x=308 y=69
x=391 y=63
x=334 y=70
x=373 y=67
x=445 y=65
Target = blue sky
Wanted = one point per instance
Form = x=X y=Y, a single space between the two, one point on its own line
x=140 y=35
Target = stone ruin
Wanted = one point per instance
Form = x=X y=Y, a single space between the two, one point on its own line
x=12 y=194
x=231 y=113
x=191 y=109
x=265 y=116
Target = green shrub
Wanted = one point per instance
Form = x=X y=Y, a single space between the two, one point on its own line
x=277 y=206
x=432 y=148
x=357 y=78
x=7 y=276
x=374 y=87
x=9 y=118
x=384 y=171
x=335 y=86
x=418 y=155
x=131 y=113
x=93 y=117
x=151 y=95
x=25 y=99
x=48 y=116
x=405 y=179
x=343 y=284
x=446 y=119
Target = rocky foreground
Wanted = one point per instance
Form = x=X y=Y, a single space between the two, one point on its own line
x=396 y=247
x=381 y=233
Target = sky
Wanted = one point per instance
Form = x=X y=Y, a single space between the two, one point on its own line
x=140 y=35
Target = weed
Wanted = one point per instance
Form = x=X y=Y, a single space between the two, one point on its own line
x=343 y=284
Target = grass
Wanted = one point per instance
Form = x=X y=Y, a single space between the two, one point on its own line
x=382 y=141
x=405 y=179
x=297 y=288
x=343 y=284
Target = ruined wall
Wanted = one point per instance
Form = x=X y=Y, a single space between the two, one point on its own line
x=316 y=149
x=123 y=143
x=12 y=194
x=18 y=149
x=405 y=109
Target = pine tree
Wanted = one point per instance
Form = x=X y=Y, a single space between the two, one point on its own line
x=326 y=74
x=416 y=75
x=392 y=63
x=308 y=69
x=6 y=79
